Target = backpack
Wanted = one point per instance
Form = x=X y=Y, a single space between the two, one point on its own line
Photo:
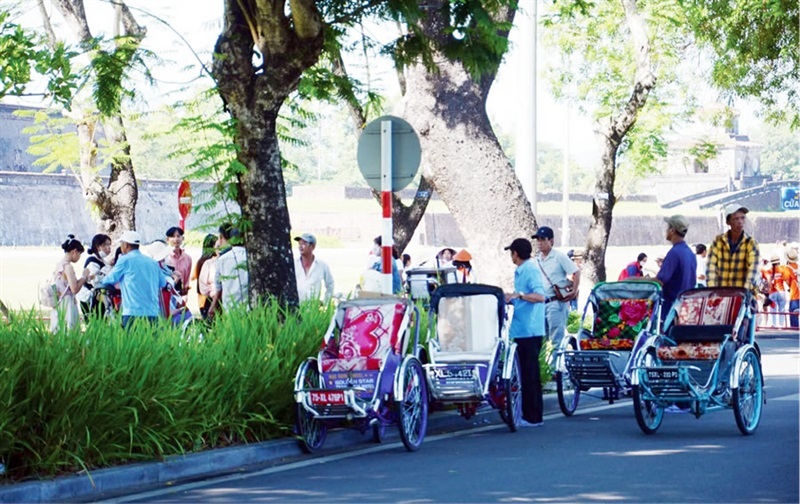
x=48 y=293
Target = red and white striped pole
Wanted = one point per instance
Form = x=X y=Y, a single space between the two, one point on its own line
x=387 y=237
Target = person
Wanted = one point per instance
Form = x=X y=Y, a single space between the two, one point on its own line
x=444 y=258
x=528 y=328
x=678 y=273
x=764 y=286
x=179 y=260
x=700 y=252
x=97 y=266
x=141 y=280
x=733 y=255
x=67 y=285
x=204 y=274
x=794 y=292
x=173 y=304
x=777 y=292
x=577 y=257
x=231 y=278
x=462 y=263
x=733 y=262
x=556 y=267
x=634 y=269
x=377 y=265
x=311 y=272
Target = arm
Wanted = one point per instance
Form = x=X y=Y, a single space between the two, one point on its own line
x=752 y=258
x=326 y=275
x=712 y=268
x=74 y=283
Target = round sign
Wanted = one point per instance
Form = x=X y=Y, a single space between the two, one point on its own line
x=184 y=199
x=405 y=153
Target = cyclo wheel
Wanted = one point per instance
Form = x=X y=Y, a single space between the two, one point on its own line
x=512 y=386
x=311 y=431
x=412 y=411
x=648 y=413
x=568 y=394
x=748 y=397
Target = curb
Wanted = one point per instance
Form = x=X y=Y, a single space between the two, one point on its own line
x=177 y=469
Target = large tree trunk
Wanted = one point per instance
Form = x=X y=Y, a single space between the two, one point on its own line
x=254 y=95
x=612 y=133
x=463 y=159
x=116 y=201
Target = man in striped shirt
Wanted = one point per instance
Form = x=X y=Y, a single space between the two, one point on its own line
x=733 y=256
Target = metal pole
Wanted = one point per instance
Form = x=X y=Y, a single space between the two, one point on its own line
x=533 y=196
x=387 y=238
x=565 y=185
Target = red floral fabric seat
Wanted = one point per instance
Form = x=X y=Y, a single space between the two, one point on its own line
x=617 y=323
x=367 y=335
x=704 y=315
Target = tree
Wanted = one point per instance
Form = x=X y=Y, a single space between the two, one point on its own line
x=463 y=159
x=756 y=46
x=624 y=48
x=261 y=56
x=23 y=52
x=115 y=201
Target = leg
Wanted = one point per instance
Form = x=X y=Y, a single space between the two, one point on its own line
x=556 y=317
x=794 y=306
x=529 y=376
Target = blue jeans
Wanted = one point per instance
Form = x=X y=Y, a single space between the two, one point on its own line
x=128 y=320
x=794 y=305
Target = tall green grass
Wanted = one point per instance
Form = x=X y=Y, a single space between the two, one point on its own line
x=79 y=400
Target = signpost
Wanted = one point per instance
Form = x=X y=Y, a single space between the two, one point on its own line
x=184 y=202
x=790 y=198
x=388 y=156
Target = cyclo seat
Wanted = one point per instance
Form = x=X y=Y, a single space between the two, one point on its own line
x=704 y=318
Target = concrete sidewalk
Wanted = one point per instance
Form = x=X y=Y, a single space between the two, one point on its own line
x=122 y=480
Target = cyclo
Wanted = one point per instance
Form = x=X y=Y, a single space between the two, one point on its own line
x=623 y=316
x=367 y=375
x=469 y=358
x=707 y=360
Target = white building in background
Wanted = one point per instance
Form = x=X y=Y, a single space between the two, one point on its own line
x=712 y=160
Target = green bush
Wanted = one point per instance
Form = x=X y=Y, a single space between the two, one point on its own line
x=79 y=400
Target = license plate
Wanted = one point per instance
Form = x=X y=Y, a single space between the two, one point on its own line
x=454 y=374
x=327 y=397
x=662 y=374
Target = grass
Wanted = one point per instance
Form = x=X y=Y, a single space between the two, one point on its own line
x=79 y=400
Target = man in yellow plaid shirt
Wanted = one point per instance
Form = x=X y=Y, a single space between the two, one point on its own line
x=733 y=256
x=733 y=262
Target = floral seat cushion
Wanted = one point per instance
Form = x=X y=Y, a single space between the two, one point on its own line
x=368 y=333
x=617 y=323
x=689 y=351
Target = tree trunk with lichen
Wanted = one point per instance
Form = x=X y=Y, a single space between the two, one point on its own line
x=115 y=202
x=288 y=41
x=463 y=159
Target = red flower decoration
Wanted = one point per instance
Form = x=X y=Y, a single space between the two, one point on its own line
x=632 y=312
x=614 y=332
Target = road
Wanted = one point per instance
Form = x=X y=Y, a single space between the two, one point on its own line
x=597 y=455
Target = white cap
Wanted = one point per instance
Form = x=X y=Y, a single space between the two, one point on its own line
x=158 y=250
x=131 y=237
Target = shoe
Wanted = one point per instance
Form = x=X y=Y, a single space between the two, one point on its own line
x=525 y=423
x=674 y=408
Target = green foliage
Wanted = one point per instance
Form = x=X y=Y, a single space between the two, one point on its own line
x=780 y=156
x=53 y=140
x=598 y=67
x=77 y=400
x=22 y=52
x=756 y=47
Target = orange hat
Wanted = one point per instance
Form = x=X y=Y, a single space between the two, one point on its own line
x=462 y=256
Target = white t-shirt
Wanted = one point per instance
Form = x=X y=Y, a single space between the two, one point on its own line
x=309 y=285
x=231 y=277
x=701 y=270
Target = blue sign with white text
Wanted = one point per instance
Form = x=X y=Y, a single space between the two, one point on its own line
x=790 y=198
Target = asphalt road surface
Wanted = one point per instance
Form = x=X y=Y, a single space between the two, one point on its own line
x=598 y=455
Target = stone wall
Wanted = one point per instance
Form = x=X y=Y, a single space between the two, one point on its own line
x=38 y=209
